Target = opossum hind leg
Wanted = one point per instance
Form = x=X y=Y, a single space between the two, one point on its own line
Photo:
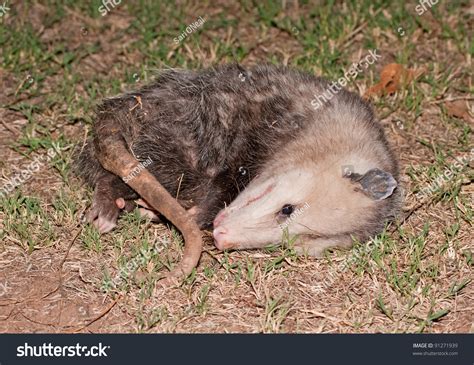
x=111 y=197
x=115 y=157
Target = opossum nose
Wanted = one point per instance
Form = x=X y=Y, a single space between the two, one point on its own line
x=219 y=218
x=219 y=234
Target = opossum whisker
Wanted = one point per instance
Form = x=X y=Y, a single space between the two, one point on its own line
x=312 y=230
x=258 y=224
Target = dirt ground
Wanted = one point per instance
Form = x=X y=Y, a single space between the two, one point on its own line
x=59 y=59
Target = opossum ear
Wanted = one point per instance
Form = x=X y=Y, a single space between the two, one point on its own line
x=375 y=183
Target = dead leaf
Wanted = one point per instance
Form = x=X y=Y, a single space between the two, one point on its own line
x=392 y=77
x=458 y=109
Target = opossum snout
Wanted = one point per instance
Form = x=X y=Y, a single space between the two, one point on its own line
x=220 y=232
x=220 y=235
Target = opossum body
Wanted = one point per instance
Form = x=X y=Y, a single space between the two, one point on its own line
x=246 y=152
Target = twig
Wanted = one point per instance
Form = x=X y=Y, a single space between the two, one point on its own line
x=8 y=127
x=139 y=103
x=323 y=315
x=465 y=97
x=214 y=257
x=37 y=322
x=60 y=268
x=407 y=215
x=179 y=185
x=102 y=314
x=69 y=248
x=9 y=315
x=20 y=86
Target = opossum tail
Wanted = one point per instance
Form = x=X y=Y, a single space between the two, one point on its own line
x=114 y=156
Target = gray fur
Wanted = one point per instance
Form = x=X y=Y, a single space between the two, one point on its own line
x=211 y=132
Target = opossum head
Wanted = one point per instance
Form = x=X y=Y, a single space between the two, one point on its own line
x=317 y=200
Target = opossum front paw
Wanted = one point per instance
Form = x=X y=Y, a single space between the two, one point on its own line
x=104 y=212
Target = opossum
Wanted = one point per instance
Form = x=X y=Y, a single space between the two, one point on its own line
x=248 y=155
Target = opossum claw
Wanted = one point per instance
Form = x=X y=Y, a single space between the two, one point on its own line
x=150 y=214
x=143 y=204
x=104 y=225
x=147 y=211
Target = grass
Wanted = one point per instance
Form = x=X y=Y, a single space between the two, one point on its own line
x=59 y=59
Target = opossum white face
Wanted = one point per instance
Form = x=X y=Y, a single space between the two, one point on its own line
x=320 y=202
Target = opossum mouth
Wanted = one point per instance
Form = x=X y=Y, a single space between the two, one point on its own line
x=220 y=239
x=222 y=244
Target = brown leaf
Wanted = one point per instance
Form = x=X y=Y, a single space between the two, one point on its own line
x=392 y=77
x=458 y=109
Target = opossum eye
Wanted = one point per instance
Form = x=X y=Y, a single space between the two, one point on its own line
x=287 y=209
